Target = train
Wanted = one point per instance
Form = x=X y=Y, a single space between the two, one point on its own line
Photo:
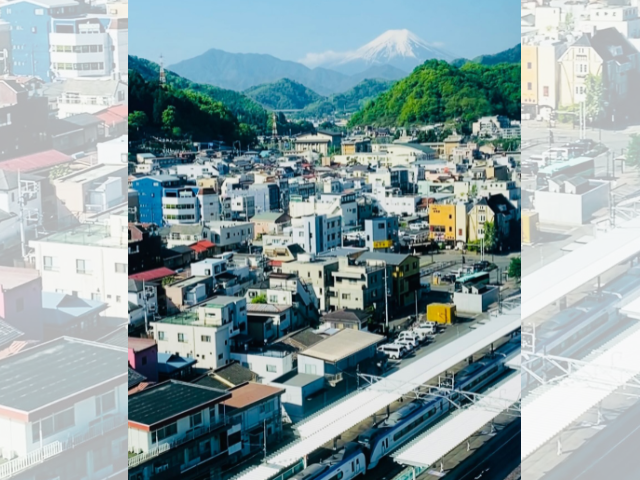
x=572 y=329
x=356 y=458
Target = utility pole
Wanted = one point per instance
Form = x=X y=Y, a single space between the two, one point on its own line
x=416 y=295
x=386 y=303
x=264 y=436
x=146 y=318
x=21 y=202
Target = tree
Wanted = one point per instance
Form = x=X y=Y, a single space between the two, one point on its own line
x=633 y=151
x=138 y=120
x=594 y=102
x=262 y=298
x=568 y=22
x=169 y=118
x=515 y=268
x=490 y=240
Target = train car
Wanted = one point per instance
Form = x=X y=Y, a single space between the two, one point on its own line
x=574 y=328
x=410 y=419
x=349 y=462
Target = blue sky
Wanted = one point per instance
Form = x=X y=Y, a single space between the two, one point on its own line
x=289 y=29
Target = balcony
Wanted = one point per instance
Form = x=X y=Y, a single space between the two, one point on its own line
x=97 y=429
x=138 y=459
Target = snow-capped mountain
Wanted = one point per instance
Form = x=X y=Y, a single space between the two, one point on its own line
x=399 y=48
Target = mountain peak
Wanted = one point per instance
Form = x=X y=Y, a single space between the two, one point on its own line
x=391 y=44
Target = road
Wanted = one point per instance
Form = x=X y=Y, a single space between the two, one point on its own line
x=612 y=453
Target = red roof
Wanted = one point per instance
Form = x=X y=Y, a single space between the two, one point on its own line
x=155 y=274
x=36 y=161
x=202 y=246
x=111 y=115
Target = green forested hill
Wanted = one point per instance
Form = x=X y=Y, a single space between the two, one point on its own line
x=284 y=94
x=244 y=108
x=349 y=101
x=438 y=92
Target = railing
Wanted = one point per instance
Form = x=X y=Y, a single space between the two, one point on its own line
x=164 y=447
x=19 y=464
x=143 y=457
x=105 y=425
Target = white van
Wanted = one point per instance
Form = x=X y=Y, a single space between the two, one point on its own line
x=393 y=350
x=409 y=344
x=413 y=337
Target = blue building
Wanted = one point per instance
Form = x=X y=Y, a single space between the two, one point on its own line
x=31 y=22
x=151 y=191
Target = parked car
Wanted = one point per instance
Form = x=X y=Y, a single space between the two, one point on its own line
x=393 y=350
x=409 y=344
x=410 y=336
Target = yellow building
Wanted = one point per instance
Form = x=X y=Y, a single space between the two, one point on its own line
x=478 y=216
x=580 y=60
x=442 y=222
x=529 y=74
x=529 y=227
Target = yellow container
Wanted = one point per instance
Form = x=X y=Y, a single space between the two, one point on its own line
x=529 y=227
x=444 y=313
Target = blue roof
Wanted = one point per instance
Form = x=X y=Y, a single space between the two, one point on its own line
x=169 y=362
x=66 y=308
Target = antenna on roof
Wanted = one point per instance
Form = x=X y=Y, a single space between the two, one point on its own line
x=163 y=75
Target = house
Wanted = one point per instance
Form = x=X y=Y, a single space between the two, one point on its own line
x=270 y=223
x=23 y=119
x=303 y=393
x=65 y=314
x=88 y=261
x=175 y=425
x=143 y=357
x=339 y=352
x=316 y=275
x=228 y=376
x=206 y=334
x=317 y=233
x=403 y=275
x=144 y=248
x=86 y=95
x=267 y=362
x=79 y=389
x=497 y=210
x=357 y=286
x=320 y=142
x=228 y=236
x=257 y=409
x=605 y=53
x=185 y=234
x=381 y=233
x=172 y=366
x=113 y=123
x=21 y=301
x=268 y=322
x=347 y=318
x=91 y=190
x=151 y=190
x=30 y=22
x=188 y=292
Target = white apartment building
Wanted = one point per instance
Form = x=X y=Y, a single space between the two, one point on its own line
x=229 y=235
x=87 y=95
x=317 y=233
x=342 y=204
x=205 y=334
x=193 y=171
x=76 y=391
x=81 y=48
x=88 y=261
x=623 y=18
x=114 y=151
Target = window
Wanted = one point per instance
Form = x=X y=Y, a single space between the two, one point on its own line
x=39 y=11
x=529 y=65
x=48 y=263
x=195 y=420
x=82 y=266
x=143 y=360
x=271 y=368
x=34 y=29
x=105 y=403
x=220 y=356
x=310 y=369
x=121 y=268
x=95 y=296
x=545 y=91
x=161 y=336
x=529 y=86
x=205 y=338
x=165 y=432
x=118 y=299
x=52 y=425
x=181 y=338
x=19 y=304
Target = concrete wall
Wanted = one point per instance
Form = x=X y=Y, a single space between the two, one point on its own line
x=567 y=209
x=475 y=303
x=312 y=366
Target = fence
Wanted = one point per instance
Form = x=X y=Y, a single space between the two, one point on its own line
x=17 y=465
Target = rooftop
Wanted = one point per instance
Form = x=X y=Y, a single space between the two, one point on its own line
x=295 y=379
x=135 y=378
x=342 y=344
x=169 y=401
x=251 y=393
x=188 y=282
x=86 y=234
x=12 y=277
x=155 y=274
x=57 y=370
x=388 y=258
x=140 y=344
x=36 y=161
